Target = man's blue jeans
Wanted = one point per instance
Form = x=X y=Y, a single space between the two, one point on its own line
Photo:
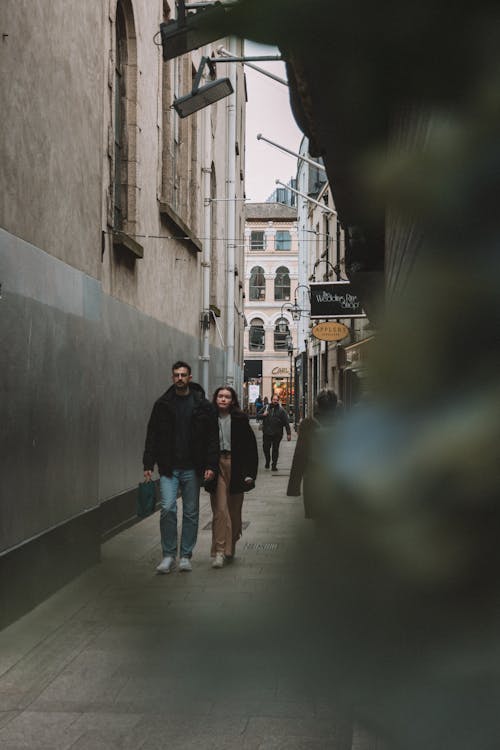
x=188 y=482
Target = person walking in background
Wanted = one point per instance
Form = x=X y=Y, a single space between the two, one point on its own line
x=238 y=464
x=182 y=440
x=303 y=457
x=258 y=404
x=274 y=421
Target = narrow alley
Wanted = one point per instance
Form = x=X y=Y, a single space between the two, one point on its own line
x=125 y=658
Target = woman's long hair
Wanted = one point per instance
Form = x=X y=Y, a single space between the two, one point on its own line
x=235 y=404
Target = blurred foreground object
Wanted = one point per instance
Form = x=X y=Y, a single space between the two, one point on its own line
x=402 y=101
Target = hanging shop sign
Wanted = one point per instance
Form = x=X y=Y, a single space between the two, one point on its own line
x=334 y=299
x=330 y=331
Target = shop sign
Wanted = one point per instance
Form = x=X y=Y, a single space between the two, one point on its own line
x=280 y=371
x=334 y=299
x=330 y=331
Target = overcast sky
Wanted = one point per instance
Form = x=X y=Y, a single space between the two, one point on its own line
x=269 y=113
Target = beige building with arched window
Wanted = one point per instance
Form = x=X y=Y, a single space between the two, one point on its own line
x=271 y=258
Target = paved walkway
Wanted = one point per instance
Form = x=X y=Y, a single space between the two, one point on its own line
x=125 y=659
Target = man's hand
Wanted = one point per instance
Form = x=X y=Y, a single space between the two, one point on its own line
x=147 y=475
x=208 y=475
x=288 y=437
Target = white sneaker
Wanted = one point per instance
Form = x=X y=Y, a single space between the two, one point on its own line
x=185 y=564
x=218 y=561
x=166 y=565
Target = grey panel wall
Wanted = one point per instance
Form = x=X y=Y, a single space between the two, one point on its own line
x=138 y=353
x=79 y=374
x=49 y=333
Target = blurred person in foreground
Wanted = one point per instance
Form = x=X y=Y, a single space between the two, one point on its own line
x=238 y=463
x=304 y=456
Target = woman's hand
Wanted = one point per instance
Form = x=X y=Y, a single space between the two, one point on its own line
x=147 y=475
x=208 y=475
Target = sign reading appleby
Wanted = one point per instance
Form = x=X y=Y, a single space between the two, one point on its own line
x=330 y=331
x=334 y=299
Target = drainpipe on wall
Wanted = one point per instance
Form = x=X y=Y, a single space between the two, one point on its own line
x=231 y=216
x=205 y=262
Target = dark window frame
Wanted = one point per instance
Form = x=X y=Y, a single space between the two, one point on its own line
x=259 y=244
x=257 y=343
x=282 y=284
x=280 y=339
x=257 y=284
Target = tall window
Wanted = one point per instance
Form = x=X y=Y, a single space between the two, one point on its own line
x=123 y=161
x=282 y=284
x=257 y=241
x=283 y=240
x=179 y=177
x=256 y=336
x=120 y=92
x=257 y=283
x=281 y=332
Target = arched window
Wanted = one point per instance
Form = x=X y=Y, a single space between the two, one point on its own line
x=281 y=333
x=282 y=284
x=257 y=283
x=256 y=336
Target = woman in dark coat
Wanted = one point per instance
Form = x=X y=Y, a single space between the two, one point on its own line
x=238 y=463
x=303 y=457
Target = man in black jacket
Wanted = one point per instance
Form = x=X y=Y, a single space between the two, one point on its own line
x=182 y=439
x=274 y=420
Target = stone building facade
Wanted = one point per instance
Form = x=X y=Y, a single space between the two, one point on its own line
x=337 y=365
x=271 y=254
x=115 y=260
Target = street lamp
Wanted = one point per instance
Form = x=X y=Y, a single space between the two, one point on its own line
x=203 y=96
x=297 y=313
x=294 y=308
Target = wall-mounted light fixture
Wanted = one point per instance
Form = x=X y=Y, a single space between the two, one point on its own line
x=205 y=321
x=294 y=308
x=203 y=96
x=211 y=92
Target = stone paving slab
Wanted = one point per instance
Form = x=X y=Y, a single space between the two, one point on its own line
x=125 y=659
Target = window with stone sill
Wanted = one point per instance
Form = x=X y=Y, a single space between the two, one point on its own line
x=282 y=284
x=256 y=336
x=281 y=333
x=257 y=240
x=257 y=286
x=283 y=240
